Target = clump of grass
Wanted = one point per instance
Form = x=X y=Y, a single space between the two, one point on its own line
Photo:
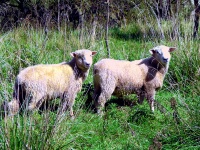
x=141 y=116
x=184 y=67
x=129 y=32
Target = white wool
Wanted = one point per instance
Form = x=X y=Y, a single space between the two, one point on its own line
x=142 y=77
x=39 y=83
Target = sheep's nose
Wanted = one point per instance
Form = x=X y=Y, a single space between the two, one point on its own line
x=87 y=64
x=165 y=59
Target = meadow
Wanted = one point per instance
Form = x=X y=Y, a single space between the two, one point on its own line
x=123 y=126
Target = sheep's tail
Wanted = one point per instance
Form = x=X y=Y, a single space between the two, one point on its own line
x=18 y=92
x=96 y=77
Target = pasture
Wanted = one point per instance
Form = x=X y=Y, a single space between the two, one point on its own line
x=175 y=124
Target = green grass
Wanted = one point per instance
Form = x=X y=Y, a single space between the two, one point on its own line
x=122 y=126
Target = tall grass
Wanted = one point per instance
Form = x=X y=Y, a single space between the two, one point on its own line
x=122 y=126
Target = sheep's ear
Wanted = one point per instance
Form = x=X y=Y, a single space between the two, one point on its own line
x=94 y=53
x=171 y=49
x=73 y=54
x=152 y=51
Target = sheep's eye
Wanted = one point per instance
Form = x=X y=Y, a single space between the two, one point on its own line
x=159 y=52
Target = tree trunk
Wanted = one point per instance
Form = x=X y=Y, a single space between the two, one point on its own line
x=58 y=15
x=168 y=9
x=94 y=25
x=160 y=8
x=107 y=28
x=158 y=19
x=81 y=24
x=196 y=18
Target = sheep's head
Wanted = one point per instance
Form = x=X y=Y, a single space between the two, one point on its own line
x=83 y=58
x=162 y=54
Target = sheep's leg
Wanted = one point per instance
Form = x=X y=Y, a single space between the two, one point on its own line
x=104 y=85
x=100 y=103
x=36 y=101
x=68 y=102
x=42 y=102
x=102 y=99
x=71 y=112
x=150 y=98
x=141 y=97
x=65 y=107
x=97 y=92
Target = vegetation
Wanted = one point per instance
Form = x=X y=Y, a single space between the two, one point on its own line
x=176 y=121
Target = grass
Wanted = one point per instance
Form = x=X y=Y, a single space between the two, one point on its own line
x=122 y=126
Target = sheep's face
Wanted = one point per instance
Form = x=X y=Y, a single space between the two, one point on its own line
x=162 y=54
x=83 y=58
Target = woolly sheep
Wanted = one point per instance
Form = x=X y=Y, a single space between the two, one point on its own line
x=37 y=84
x=142 y=77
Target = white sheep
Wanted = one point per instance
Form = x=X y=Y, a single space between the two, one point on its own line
x=36 y=84
x=142 y=77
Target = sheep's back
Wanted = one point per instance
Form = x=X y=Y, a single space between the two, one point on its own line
x=127 y=75
x=46 y=77
x=119 y=68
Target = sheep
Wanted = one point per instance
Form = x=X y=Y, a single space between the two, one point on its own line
x=37 y=84
x=141 y=77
